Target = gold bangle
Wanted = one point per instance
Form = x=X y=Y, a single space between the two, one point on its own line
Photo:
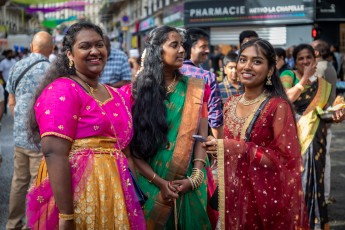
x=199 y=159
x=197 y=177
x=154 y=175
x=300 y=86
x=192 y=182
x=66 y=216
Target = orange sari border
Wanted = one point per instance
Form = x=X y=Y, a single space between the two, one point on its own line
x=184 y=147
x=189 y=126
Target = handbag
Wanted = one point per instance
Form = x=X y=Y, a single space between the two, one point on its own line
x=142 y=198
x=215 y=198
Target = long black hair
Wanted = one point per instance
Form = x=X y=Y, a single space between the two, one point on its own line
x=276 y=89
x=149 y=112
x=58 y=68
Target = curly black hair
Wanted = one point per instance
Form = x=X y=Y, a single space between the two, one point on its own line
x=58 y=68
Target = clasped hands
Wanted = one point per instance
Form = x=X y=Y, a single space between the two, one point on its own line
x=170 y=190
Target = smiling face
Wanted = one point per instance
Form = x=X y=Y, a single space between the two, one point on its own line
x=253 y=67
x=199 y=52
x=304 y=58
x=89 y=53
x=173 y=51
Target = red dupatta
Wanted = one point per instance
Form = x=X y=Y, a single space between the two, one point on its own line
x=260 y=181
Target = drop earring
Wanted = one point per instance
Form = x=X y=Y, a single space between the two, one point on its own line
x=268 y=82
x=70 y=64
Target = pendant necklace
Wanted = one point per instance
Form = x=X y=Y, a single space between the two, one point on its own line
x=171 y=87
x=92 y=90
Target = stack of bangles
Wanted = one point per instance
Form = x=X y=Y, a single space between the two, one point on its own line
x=196 y=178
x=66 y=216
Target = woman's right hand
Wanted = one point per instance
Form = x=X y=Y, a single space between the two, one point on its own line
x=169 y=191
x=66 y=224
x=309 y=70
x=211 y=146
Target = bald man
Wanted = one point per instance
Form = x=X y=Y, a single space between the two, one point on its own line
x=24 y=78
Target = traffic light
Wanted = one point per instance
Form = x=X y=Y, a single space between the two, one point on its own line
x=315 y=33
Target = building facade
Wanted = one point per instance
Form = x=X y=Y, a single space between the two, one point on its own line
x=283 y=23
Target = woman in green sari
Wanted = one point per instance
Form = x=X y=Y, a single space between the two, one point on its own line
x=168 y=109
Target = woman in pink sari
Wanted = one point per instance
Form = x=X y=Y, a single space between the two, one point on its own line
x=259 y=168
x=85 y=128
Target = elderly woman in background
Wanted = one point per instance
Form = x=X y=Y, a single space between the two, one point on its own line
x=307 y=93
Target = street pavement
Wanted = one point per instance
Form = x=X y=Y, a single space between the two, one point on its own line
x=336 y=210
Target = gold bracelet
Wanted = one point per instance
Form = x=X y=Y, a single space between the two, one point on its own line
x=66 y=216
x=199 y=159
x=154 y=175
x=299 y=86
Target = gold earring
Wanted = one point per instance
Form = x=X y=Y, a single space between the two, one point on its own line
x=268 y=82
x=70 y=63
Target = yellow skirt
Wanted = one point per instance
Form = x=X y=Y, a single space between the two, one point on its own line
x=99 y=202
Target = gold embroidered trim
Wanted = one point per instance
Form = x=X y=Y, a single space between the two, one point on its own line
x=57 y=134
x=109 y=99
x=221 y=182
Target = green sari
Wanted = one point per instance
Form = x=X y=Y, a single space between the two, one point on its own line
x=170 y=163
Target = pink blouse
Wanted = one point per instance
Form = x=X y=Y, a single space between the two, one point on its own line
x=64 y=109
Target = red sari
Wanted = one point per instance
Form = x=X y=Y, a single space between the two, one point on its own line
x=260 y=181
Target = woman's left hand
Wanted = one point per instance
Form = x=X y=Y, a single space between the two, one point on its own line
x=184 y=185
x=339 y=116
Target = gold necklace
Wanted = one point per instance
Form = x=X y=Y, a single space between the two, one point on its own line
x=92 y=90
x=245 y=102
x=171 y=87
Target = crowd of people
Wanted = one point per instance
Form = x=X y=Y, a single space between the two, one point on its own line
x=99 y=145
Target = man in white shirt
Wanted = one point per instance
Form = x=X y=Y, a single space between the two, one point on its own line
x=5 y=66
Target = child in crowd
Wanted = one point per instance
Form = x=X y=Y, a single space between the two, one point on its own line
x=231 y=84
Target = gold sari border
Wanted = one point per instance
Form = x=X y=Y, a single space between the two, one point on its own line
x=57 y=135
x=221 y=182
x=321 y=97
x=98 y=145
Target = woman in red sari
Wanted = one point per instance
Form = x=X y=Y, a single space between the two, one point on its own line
x=259 y=171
